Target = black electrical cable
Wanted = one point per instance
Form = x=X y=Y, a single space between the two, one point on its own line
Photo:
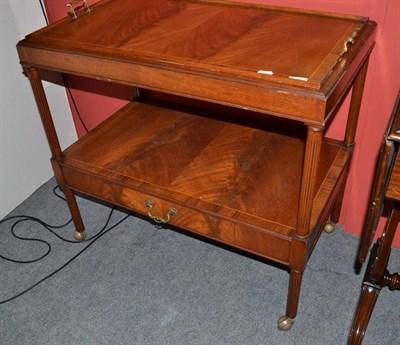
x=65 y=79
x=44 y=12
x=101 y=233
x=23 y=218
x=74 y=103
x=26 y=239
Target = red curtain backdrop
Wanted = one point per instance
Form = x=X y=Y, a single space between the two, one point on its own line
x=382 y=85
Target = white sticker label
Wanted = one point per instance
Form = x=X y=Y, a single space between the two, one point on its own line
x=298 y=78
x=261 y=71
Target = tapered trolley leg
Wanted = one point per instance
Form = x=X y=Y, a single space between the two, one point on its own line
x=57 y=155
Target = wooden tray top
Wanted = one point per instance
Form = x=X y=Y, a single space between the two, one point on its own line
x=262 y=46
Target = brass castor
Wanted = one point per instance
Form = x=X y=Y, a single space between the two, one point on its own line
x=329 y=227
x=80 y=235
x=285 y=323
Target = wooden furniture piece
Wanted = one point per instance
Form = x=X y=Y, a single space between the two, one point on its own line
x=226 y=136
x=386 y=188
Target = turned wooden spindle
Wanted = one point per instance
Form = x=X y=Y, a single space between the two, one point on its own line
x=391 y=280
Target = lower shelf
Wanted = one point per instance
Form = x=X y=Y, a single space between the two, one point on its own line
x=234 y=183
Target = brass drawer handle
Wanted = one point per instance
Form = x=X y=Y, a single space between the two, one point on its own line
x=171 y=212
x=73 y=10
x=350 y=40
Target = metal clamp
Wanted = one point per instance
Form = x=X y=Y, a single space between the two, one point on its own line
x=350 y=40
x=171 y=212
x=73 y=11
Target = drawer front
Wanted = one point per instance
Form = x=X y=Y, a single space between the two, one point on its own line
x=203 y=222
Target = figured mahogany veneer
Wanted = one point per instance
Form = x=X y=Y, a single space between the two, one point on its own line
x=228 y=128
x=225 y=180
x=193 y=44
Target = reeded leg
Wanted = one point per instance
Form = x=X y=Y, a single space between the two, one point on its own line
x=355 y=105
x=51 y=134
x=285 y=322
x=368 y=297
x=79 y=234
x=308 y=181
x=335 y=213
x=358 y=88
x=299 y=243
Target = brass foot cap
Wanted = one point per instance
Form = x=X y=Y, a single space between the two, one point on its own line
x=285 y=323
x=329 y=227
x=80 y=235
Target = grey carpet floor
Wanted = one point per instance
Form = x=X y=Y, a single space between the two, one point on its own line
x=141 y=284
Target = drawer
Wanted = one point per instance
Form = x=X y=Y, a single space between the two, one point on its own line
x=205 y=222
